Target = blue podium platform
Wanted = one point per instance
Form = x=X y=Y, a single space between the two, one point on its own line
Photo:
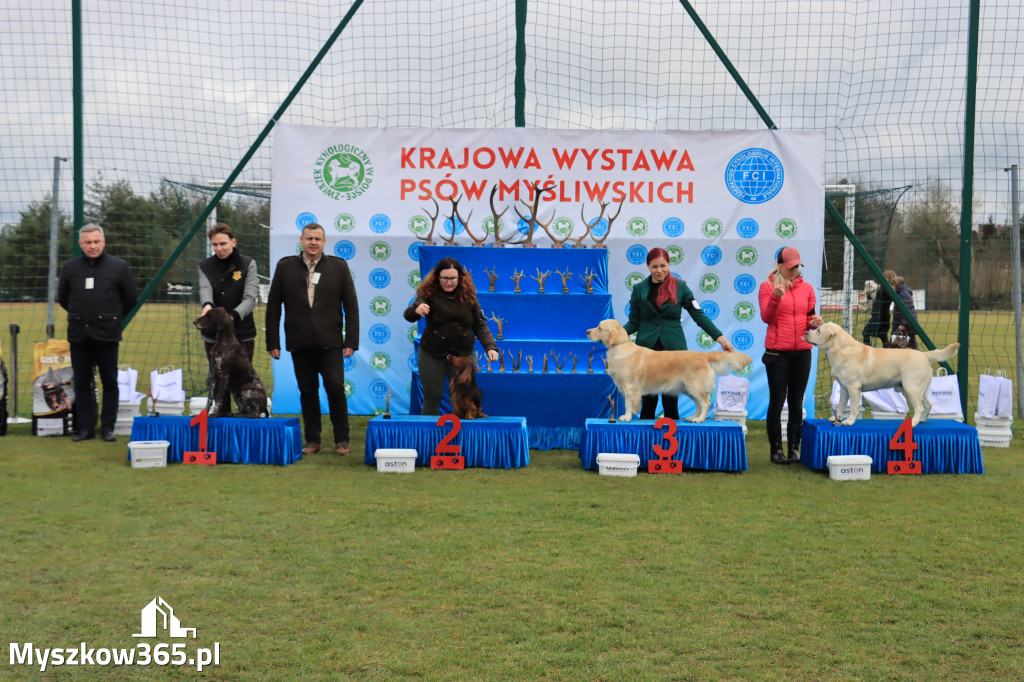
x=277 y=440
x=943 y=446
x=711 y=445
x=493 y=442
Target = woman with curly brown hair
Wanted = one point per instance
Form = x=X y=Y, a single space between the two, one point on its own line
x=446 y=298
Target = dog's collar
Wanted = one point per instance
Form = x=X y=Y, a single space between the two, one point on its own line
x=618 y=344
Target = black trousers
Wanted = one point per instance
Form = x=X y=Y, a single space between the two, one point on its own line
x=87 y=356
x=649 y=403
x=310 y=364
x=787 y=380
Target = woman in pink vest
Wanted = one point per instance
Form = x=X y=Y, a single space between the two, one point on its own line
x=787 y=307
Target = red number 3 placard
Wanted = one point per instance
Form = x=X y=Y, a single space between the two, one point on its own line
x=665 y=464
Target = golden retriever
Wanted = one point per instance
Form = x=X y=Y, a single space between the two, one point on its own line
x=864 y=368
x=639 y=371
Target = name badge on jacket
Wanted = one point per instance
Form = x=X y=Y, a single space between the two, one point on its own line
x=315 y=279
x=90 y=283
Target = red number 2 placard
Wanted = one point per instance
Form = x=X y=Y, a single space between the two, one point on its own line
x=448 y=455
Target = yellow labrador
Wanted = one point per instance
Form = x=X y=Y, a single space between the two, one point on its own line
x=864 y=368
x=639 y=371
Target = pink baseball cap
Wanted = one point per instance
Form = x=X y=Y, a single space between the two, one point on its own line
x=789 y=257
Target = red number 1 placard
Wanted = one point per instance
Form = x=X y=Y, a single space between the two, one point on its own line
x=665 y=464
x=202 y=456
x=908 y=465
x=449 y=455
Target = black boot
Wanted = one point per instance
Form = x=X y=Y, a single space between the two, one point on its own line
x=777 y=457
x=794 y=449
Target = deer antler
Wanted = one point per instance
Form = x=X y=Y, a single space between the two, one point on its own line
x=497 y=216
x=429 y=239
x=590 y=226
x=465 y=224
x=532 y=221
x=599 y=243
x=450 y=240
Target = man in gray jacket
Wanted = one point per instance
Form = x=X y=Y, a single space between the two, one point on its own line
x=97 y=290
x=314 y=289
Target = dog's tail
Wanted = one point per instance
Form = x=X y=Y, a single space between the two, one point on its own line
x=723 y=362
x=938 y=355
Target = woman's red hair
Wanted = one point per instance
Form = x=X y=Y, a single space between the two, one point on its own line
x=667 y=290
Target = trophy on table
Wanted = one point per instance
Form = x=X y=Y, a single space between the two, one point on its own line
x=590 y=361
x=565 y=279
x=517 y=361
x=501 y=359
x=588 y=280
x=544 y=368
x=529 y=363
x=492 y=277
x=611 y=401
x=575 y=358
x=517 y=276
x=559 y=362
x=501 y=325
x=541 y=276
x=387 y=404
x=599 y=242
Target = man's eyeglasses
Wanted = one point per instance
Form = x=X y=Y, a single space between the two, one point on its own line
x=450 y=279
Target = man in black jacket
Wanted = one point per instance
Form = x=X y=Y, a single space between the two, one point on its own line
x=314 y=288
x=97 y=290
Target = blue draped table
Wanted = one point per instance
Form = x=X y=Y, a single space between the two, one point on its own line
x=555 y=405
x=277 y=440
x=494 y=442
x=943 y=446
x=711 y=445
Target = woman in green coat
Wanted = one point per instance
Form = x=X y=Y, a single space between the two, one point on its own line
x=655 y=309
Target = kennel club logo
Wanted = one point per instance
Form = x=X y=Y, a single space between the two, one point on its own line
x=746 y=255
x=380 y=306
x=786 y=228
x=754 y=176
x=709 y=283
x=743 y=311
x=344 y=222
x=380 y=251
x=343 y=171
x=712 y=228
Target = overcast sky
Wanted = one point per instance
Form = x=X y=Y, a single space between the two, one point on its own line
x=180 y=89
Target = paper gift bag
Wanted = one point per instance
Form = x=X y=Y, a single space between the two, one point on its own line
x=995 y=395
x=944 y=393
x=834 y=400
x=166 y=385
x=886 y=400
x=127 y=382
x=732 y=394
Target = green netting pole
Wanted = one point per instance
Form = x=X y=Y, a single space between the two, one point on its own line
x=966 y=204
x=728 y=64
x=76 y=107
x=201 y=220
x=520 y=63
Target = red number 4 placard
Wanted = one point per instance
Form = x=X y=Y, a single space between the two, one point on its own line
x=908 y=465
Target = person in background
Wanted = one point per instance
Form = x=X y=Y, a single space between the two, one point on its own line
x=97 y=290
x=787 y=306
x=878 y=302
x=446 y=298
x=228 y=280
x=898 y=318
x=314 y=289
x=655 y=311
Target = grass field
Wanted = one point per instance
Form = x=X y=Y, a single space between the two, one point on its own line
x=328 y=570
